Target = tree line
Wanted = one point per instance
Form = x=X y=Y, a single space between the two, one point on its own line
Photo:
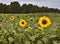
x=15 y=7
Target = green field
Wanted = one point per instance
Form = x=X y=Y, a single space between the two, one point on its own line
x=12 y=33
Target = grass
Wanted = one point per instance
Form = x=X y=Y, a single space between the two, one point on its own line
x=12 y=33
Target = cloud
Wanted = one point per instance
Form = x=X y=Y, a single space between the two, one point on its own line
x=14 y=0
x=48 y=3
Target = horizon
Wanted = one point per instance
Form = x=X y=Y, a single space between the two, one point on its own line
x=46 y=3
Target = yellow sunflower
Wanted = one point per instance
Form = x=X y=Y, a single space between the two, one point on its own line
x=11 y=17
x=22 y=23
x=44 y=21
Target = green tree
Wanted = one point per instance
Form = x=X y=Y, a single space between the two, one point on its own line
x=7 y=9
x=15 y=7
x=1 y=8
x=23 y=8
x=30 y=8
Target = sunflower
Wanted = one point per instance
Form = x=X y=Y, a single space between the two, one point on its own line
x=44 y=21
x=22 y=23
x=11 y=17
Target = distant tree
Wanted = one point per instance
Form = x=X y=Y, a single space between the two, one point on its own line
x=15 y=7
x=30 y=8
x=23 y=8
x=1 y=8
x=57 y=10
x=35 y=9
x=7 y=9
x=43 y=9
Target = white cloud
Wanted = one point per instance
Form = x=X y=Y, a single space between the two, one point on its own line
x=14 y=0
x=48 y=3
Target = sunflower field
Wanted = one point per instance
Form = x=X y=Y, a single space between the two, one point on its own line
x=37 y=28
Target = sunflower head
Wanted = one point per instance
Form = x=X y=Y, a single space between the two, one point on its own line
x=22 y=23
x=44 y=21
x=11 y=17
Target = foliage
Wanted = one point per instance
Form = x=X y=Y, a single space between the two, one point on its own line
x=12 y=33
x=14 y=7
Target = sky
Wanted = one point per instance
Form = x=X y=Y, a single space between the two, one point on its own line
x=46 y=3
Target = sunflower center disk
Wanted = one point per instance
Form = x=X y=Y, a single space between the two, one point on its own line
x=11 y=17
x=22 y=22
x=44 y=22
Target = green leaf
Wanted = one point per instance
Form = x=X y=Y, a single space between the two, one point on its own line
x=39 y=42
x=32 y=38
x=10 y=39
x=5 y=31
x=1 y=38
x=27 y=42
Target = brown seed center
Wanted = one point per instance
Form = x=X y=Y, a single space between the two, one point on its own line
x=44 y=22
x=11 y=17
x=22 y=22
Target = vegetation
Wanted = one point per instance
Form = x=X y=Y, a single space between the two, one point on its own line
x=26 y=29
x=37 y=28
x=15 y=7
